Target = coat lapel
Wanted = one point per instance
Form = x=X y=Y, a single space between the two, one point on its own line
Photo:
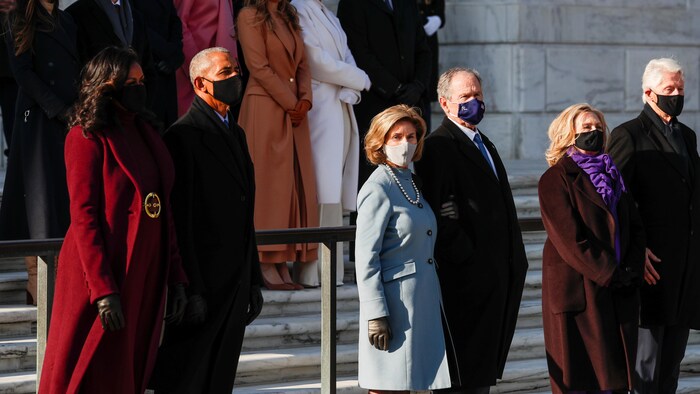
x=382 y=5
x=63 y=32
x=657 y=138
x=123 y=156
x=468 y=148
x=284 y=39
x=583 y=183
x=320 y=15
x=160 y=154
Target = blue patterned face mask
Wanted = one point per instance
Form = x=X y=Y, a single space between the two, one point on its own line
x=471 y=111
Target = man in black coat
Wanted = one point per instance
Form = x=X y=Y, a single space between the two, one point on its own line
x=659 y=161
x=164 y=33
x=479 y=249
x=387 y=40
x=103 y=23
x=8 y=86
x=213 y=203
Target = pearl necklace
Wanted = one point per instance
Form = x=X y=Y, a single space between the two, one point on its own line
x=396 y=179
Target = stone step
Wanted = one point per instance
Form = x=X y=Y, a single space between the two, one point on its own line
x=292 y=364
x=17 y=383
x=273 y=332
x=533 y=285
x=343 y=385
x=527 y=206
x=534 y=256
x=12 y=264
x=687 y=384
x=17 y=354
x=287 y=303
x=17 y=321
x=13 y=287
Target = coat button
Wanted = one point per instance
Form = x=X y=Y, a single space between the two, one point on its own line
x=242 y=198
x=430 y=232
x=52 y=82
x=420 y=205
x=291 y=79
x=50 y=64
x=430 y=261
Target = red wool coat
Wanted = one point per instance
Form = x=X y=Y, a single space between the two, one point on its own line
x=99 y=258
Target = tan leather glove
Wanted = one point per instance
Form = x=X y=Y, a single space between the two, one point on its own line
x=379 y=333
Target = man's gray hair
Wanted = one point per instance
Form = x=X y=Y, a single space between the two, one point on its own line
x=443 y=87
x=200 y=62
x=655 y=70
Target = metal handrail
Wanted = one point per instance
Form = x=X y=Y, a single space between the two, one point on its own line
x=329 y=237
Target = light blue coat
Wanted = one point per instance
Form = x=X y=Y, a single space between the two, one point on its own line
x=396 y=278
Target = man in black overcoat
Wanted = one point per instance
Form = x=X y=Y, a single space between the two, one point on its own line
x=164 y=31
x=659 y=161
x=103 y=23
x=387 y=40
x=213 y=202
x=479 y=250
x=8 y=86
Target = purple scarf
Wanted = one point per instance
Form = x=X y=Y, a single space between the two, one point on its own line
x=606 y=179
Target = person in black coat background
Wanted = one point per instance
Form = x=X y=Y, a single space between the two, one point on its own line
x=164 y=32
x=8 y=86
x=389 y=44
x=658 y=157
x=213 y=202
x=47 y=69
x=98 y=29
x=479 y=249
x=433 y=14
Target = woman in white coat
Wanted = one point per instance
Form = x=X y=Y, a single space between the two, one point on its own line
x=336 y=84
x=401 y=342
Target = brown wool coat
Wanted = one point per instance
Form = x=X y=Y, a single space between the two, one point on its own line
x=284 y=174
x=589 y=328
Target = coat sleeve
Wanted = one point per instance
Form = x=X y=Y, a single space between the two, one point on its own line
x=324 y=67
x=438 y=186
x=423 y=55
x=303 y=76
x=84 y=163
x=621 y=148
x=252 y=38
x=183 y=207
x=568 y=234
x=22 y=67
x=355 y=25
x=373 y=213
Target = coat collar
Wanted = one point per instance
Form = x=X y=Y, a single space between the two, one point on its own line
x=659 y=141
x=583 y=183
x=467 y=147
x=330 y=23
x=382 y=5
x=213 y=130
x=65 y=33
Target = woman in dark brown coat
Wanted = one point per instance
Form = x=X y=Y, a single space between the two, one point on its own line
x=593 y=259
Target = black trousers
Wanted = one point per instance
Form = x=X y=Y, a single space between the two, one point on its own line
x=660 y=350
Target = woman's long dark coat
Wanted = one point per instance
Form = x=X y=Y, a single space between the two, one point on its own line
x=590 y=329
x=35 y=197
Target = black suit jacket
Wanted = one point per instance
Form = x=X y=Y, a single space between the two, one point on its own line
x=391 y=48
x=480 y=256
x=668 y=197
x=95 y=33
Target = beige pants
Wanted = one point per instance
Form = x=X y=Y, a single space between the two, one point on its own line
x=307 y=274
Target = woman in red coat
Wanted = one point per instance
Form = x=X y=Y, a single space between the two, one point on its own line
x=120 y=255
x=592 y=261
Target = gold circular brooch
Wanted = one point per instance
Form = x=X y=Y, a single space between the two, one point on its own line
x=152 y=205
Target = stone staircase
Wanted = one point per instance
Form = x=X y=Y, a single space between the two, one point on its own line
x=281 y=351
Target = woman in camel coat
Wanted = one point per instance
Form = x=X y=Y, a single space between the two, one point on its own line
x=592 y=260
x=273 y=115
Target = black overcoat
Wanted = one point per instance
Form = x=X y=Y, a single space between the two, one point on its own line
x=164 y=31
x=95 y=33
x=480 y=256
x=213 y=202
x=391 y=48
x=590 y=323
x=668 y=196
x=35 y=197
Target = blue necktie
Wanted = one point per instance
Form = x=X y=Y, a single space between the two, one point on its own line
x=226 y=122
x=480 y=143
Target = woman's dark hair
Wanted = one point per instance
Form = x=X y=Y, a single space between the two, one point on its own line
x=102 y=76
x=285 y=8
x=29 y=17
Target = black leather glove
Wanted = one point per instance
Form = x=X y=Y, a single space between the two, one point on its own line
x=196 y=311
x=110 y=310
x=255 y=304
x=622 y=278
x=177 y=300
x=449 y=209
x=379 y=333
x=410 y=93
x=164 y=67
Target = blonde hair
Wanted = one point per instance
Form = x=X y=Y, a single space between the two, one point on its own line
x=385 y=121
x=562 y=131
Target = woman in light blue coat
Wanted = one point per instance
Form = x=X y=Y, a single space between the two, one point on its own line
x=401 y=345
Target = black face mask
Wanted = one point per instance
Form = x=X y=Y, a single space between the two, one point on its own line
x=132 y=98
x=671 y=105
x=228 y=90
x=591 y=141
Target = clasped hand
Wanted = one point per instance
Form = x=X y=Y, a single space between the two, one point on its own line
x=109 y=308
x=379 y=333
x=298 y=114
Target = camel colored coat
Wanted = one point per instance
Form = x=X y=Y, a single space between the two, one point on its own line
x=284 y=173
